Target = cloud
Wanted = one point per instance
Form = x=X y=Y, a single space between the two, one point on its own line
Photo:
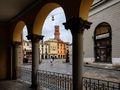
x=59 y=19
x=25 y=33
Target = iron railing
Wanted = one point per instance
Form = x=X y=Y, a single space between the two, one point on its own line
x=57 y=81
x=54 y=81
x=96 y=84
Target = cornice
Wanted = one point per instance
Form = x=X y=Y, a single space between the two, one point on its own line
x=97 y=3
x=102 y=5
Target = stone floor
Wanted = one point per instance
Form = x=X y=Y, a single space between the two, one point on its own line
x=15 y=85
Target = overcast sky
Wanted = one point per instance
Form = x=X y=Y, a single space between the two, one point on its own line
x=48 y=27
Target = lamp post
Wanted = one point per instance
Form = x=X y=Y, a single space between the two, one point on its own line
x=42 y=48
x=67 y=56
x=46 y=52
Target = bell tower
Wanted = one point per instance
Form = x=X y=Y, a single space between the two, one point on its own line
x=57 y=33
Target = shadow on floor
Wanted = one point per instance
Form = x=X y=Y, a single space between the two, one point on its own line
x=14 y=85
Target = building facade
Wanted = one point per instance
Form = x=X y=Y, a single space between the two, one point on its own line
x=52 y=48
x=43 y=50
x=70 y=52
x=101 y=42
x=27 y=51
x=57 y=47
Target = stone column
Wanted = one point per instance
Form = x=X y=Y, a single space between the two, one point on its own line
x=35 y=57
x=15 y=60
x=77 y=26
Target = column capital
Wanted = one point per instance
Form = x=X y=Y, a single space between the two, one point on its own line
x=34 y=37
x=16 y=43
x=77 y=24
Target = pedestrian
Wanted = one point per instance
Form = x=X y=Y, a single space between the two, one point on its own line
x=51 y=60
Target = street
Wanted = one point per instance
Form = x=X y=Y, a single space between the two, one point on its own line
x=60 y=66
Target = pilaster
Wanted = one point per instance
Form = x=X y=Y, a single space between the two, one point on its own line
x=15 y=60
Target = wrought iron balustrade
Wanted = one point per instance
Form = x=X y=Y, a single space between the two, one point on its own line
x=54 y=81
x=57 y=81
x=96 y=84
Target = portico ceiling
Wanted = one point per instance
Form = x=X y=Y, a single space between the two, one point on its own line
x=11 y=8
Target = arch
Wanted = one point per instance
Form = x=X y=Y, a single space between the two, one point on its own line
x=102 y=42
x=41 y=16
x=17 y=33
x=84 y=8
x=105 y=24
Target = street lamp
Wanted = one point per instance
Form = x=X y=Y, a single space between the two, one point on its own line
x=46 y=52
x=67 y=57
x=42 y=47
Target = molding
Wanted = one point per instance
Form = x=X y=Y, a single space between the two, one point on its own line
x=102 y=6
x=97 y=3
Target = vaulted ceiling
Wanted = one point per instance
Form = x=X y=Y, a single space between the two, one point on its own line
x=10 y=8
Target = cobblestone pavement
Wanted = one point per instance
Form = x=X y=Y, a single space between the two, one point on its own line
x=103 y=72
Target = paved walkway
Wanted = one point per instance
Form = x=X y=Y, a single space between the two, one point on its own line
x=15 y=85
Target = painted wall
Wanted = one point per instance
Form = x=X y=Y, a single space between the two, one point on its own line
x=61 y=49
x=52 y=44
x=3 y=52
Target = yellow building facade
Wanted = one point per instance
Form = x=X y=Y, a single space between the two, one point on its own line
x=52 y=48
x=57 y=47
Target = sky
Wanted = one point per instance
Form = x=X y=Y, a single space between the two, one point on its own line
x=48 y=27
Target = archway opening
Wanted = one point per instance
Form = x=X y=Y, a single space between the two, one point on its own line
x=19 y=55
x=102 y=43
x=26 y=47
x=53 y=29
x=18 y=40
x=55 y=36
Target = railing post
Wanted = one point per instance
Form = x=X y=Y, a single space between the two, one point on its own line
x=113 y=87
x=108 y=85
x=104 y=86
x=98 y=84
x=90 y=83
x=119 y=86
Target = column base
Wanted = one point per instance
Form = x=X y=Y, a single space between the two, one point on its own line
x=34 y=86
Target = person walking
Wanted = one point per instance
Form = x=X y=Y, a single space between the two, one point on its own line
x=51 y=60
